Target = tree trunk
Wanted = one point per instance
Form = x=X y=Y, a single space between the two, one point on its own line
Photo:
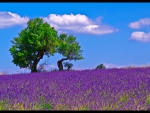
x=59 y=63
x=60 y=66
x=36 y=61
x=33 y=68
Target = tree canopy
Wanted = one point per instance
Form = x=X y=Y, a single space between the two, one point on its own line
x=36 y=40
x=69 y=48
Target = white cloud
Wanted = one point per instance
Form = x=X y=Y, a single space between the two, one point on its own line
x=140 y=36
x=135 y=25
x=78 y=23
x=8 y=19
x=140 y=23
x=145 y=21
x=109 y=65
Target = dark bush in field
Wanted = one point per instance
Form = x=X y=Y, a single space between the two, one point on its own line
x=68 y=65
x=101 y=66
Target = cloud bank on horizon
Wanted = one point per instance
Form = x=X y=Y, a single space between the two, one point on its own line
x=140 y=35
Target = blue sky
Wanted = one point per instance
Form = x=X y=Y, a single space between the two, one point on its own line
x=115 y=34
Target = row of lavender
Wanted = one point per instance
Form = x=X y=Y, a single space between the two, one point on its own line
x=110 y=89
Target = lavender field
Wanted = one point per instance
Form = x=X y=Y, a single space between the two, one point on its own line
x=101 y=89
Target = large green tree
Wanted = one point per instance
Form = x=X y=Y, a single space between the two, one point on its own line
x=69 y=48
x=35 y=41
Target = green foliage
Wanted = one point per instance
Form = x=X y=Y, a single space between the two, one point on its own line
x=3 y=103
x=38 y=39
x=148 y=100
x=68 y=65
x=45 y=105
x=101 y=66
x=69 y=47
